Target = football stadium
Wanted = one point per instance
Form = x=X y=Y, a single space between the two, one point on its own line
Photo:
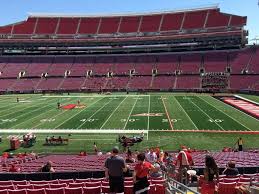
x=171 y=95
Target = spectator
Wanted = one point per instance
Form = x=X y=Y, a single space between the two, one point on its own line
x=240 y=144
x=140 y=175
x=156 y=172
x=13 y=168
x=114 y=168
x=47 y=168
x=184 y=161
x=129 y=158
x=211 y=170
x=151 y=156
x=231 y=169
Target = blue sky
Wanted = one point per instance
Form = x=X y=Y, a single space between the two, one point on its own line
x=16 y=10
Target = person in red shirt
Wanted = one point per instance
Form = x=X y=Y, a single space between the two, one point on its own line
x=140 y=176
x=183 y=162
x=13 y=168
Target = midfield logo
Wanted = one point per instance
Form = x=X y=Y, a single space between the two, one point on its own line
x=149 y=114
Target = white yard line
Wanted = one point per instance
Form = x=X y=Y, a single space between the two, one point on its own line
x=113 y=112
x=206 y=114
x=51 y=104
x=28 y=112
x=185 y=113
x=78 y=113
x=130 y=113
x=243 y=98
x=94 y=114
x=148 y=113
x=225 y=114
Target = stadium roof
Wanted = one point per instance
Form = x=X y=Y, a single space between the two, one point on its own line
x=60 y=15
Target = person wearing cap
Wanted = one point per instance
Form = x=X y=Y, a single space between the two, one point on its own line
x=114 y=168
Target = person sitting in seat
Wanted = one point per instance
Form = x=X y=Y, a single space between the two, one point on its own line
x=47 y=167
x=231 y=169
x=13 y=168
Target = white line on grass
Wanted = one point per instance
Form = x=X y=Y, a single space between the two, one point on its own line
x=78 y=113
x=94 y=114
x=243 y=98
x=168 y=117
x=148 y=113
x=225 y=114
x=94 y=96
x=130 y=113
x=113 y=112
x=26 y=107
x=206 y=114
x=25 y=120
x=185 y=113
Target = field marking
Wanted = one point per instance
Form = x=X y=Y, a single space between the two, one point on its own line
x=185 y=113
x=225 y=114
x=94 y=96
x=130 y=113
x=206 y=114
x=25 y=120
x=113 y=112
x=94 y=102
x=15 y=106
x=28 y=112
x=168 y=117
x=94 y=113
x=243 y=98
x=148 y=113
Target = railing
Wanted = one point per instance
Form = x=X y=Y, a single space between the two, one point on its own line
x=177 y=187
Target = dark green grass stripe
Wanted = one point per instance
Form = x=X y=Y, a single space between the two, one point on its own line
x=101 y=116
x=200 y=119
x=227 y=122
x=41 y=114
x=139 y=122
x=74 y=122
x=156 y=106
x=180 y=118
x=119 y=118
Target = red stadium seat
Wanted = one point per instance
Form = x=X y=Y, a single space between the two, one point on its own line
x=35 y=191
x=227 y=188
x=93 y=184
x=62 y=185
x=76 y=185
x=5 y=191
x=152 y=189
x=40 y=186
x=24 y=186
x=128 y=189
x=67 y=181
x=73 y=190
x=55 y=191
x=160 y=189
x=6 y=183
x=92 y=190
x=230 y=180
x=105 y=189
x=18 y=191
x=2 y=187
x=20 y=182
x=82 y=180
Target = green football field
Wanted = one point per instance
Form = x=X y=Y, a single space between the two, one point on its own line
x=164 y=115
